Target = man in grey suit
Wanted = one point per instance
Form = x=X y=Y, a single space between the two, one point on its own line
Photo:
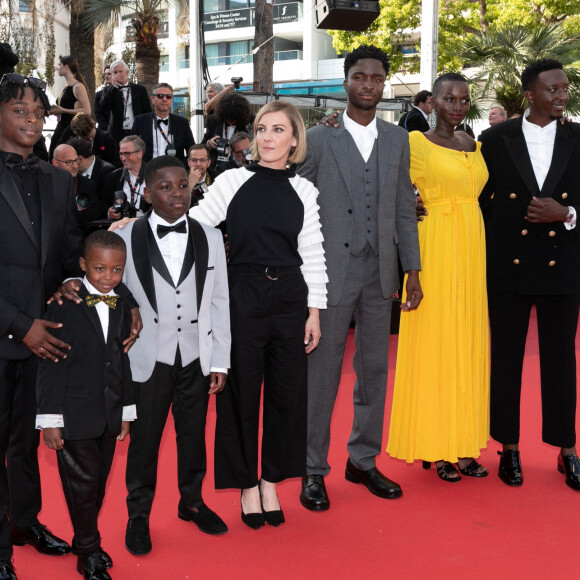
x=367 y=212
x=176 y=269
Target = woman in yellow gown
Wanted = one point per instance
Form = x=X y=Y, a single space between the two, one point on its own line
x=440 y=406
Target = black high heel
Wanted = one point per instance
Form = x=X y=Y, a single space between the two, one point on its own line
x=273 y=518
x=446 y=471
x=254 y=520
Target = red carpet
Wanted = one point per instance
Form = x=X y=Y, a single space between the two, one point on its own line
x=472 y=529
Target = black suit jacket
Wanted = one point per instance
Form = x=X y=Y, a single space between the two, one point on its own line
x=91 y=386
x=524 y=257
x=100 y=171
x=182 y=137
x=112 y=107
x=414 y=120
x=31 y=270
x=86 y=193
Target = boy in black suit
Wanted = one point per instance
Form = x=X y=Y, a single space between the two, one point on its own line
x=85 y=403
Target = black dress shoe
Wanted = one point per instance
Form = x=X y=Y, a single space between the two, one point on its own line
x=41 y=538
x=205 y=519
x=374 y=480
x=91 y=567
x=510 y=468
x=105 y=558
x=137 y=538
x=7 y=570
x=569 y=465
x=313 y=495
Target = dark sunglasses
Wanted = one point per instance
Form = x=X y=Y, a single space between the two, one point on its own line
x=163 y=96
x=23 y=81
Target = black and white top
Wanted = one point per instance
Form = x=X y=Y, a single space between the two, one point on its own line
x=272 y=219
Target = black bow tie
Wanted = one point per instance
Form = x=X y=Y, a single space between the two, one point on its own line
x=13 y=160
x=180 y=228
x=166 y=121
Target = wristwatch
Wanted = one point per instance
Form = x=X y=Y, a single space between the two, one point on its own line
x=570 y=215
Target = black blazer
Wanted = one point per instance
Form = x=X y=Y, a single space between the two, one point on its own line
x=414 y=120
x=90 y=386
x=180 y=131
x=86 y=192
x=30 y=271
x=100 y=171
x=112 y=107
x=524 y=257
x=115 y=181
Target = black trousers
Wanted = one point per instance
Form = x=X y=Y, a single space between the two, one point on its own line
x=84 y=468
x=20 y=497
x=185 y=390
x=267 y=323
x=557 y=323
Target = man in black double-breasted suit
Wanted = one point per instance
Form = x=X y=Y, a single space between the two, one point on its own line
x=531 y=204
x=163 y=132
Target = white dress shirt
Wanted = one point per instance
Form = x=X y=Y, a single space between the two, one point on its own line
x=138 y=195
x=160 y=143
x=540 y=142
x=364 y=136
x=129 y=411
x=89 y=170
x=129 y=117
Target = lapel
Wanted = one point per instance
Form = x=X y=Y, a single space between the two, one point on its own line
x=563 y=148
x=142 y=258
x=9 y=191
x=199 y=241
x=47 y=191
x=339 y=149
x=518 y=151
x=189 y=258
x=92 y=315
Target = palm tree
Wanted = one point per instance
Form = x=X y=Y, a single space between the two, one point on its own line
x=146 y=22
x=502 y=54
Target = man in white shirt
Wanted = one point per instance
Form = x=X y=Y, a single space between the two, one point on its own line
x=530 y=204
x=367 y=207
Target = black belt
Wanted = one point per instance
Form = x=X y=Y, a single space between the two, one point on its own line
x=272 y=273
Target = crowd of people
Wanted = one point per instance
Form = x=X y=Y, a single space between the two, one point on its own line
x=156 y=316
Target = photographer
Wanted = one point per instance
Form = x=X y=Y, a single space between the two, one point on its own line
x=89 y=206
x=240 y=144
x=232 y=114
x=124 y=188
x=200 y=175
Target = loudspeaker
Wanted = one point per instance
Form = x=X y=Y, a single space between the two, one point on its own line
x=354 y=15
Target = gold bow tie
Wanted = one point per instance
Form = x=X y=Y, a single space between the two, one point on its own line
x=110 y=301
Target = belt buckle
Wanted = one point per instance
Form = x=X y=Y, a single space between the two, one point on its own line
x=268 y=275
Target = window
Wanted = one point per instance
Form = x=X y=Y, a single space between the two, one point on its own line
x=183 y=57
x=164 y=63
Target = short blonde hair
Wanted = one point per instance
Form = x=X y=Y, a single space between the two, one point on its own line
x=298 y=153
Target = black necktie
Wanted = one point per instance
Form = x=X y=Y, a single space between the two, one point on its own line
x=13 y=160
x=162 y=231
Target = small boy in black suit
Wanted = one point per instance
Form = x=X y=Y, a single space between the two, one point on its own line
x=85 y=402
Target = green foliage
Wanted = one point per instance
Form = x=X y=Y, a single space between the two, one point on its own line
x=457 y=18
x=502 y=54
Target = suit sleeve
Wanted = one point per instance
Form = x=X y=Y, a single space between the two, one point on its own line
x=51 y=378
x=220 y=308
x=128 y=397
x=308 y=168
x=486 y=196
x=72 y=237
x=406 y=218
x=415 y=122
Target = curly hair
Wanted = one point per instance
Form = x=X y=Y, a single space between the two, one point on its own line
x=235 y=108
x=531 y=73
x=366 y=51
x=10 y=90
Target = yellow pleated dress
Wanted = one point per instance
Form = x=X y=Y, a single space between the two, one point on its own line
x=441 y=396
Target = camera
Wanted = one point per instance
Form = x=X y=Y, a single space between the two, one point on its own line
x=223 y=149
x=197 y=193
x=237 y=81
x=83 y=202
x=122 y=206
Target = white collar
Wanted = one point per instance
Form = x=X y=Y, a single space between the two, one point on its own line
x=355 y=129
